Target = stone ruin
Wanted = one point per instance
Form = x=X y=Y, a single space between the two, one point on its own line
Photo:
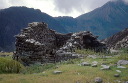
x=38 y=43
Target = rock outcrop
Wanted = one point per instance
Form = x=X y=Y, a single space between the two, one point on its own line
x=117 y=41
x=38 y=43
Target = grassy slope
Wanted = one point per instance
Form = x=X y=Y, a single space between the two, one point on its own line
x=6 y=53
x=72 y=72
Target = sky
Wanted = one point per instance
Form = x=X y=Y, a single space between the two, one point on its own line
x=55 y=8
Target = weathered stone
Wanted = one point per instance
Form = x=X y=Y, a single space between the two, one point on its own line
x=94 y=65
x=116 y=75
x=57 y=72
x=122 y=62
x=118 y=71
x=121 y=67
x=105 y=67
x=98 y=80
x=126 y=82
x=92 y=56
x=94 y=62
x=85 y=64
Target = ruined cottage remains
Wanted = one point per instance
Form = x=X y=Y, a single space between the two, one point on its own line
x=38 y=43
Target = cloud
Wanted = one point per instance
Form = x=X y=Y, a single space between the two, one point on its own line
x=125 y=1
x=57 y=7
x=8 y=3
x=67 y=6
x=3 y=4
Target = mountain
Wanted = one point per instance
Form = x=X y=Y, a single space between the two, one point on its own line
x=69 y=23
x=103 y=21
x=118 y=40
x=13 y=19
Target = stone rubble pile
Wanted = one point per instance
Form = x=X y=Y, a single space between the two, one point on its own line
x=38 y=43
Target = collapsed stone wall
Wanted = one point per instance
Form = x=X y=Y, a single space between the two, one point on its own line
x=38 y=43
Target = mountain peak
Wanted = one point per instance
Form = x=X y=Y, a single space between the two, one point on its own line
x=115 y=2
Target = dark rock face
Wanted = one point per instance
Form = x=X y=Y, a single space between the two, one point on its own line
x=38 y=43
x=119 y=40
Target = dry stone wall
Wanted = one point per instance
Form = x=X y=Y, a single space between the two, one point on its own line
x=38 y=43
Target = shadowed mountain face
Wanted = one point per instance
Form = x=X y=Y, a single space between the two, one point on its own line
x=13 y=19
x=103 y=21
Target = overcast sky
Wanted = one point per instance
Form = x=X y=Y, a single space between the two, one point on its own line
x=72 y=8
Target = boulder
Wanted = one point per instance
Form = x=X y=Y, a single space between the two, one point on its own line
x=105 y=67
x=122 y=62
x=94 y=62
x=116 y=75
x=85 y=64
x=57 y=72
x=94 y=65
x=126 y=82
x=98 y=80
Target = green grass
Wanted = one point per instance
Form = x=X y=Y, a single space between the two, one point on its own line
x=37 y=68
x=9 y=66
x=71 y=72
x=6 y=53
x=123 y=56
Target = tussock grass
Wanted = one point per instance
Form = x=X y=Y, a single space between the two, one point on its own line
x=10 y=66
x=123 y=56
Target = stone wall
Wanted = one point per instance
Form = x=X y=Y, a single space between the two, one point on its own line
x=38 y=43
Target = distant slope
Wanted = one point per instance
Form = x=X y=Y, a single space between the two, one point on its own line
x=69 y=23
x=119 y=40
x=14 y=18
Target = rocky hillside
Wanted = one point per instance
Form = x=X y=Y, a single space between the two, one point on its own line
x=13 y=19
x=119 y=40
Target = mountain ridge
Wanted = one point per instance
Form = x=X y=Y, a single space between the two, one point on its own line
x=103 y=21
